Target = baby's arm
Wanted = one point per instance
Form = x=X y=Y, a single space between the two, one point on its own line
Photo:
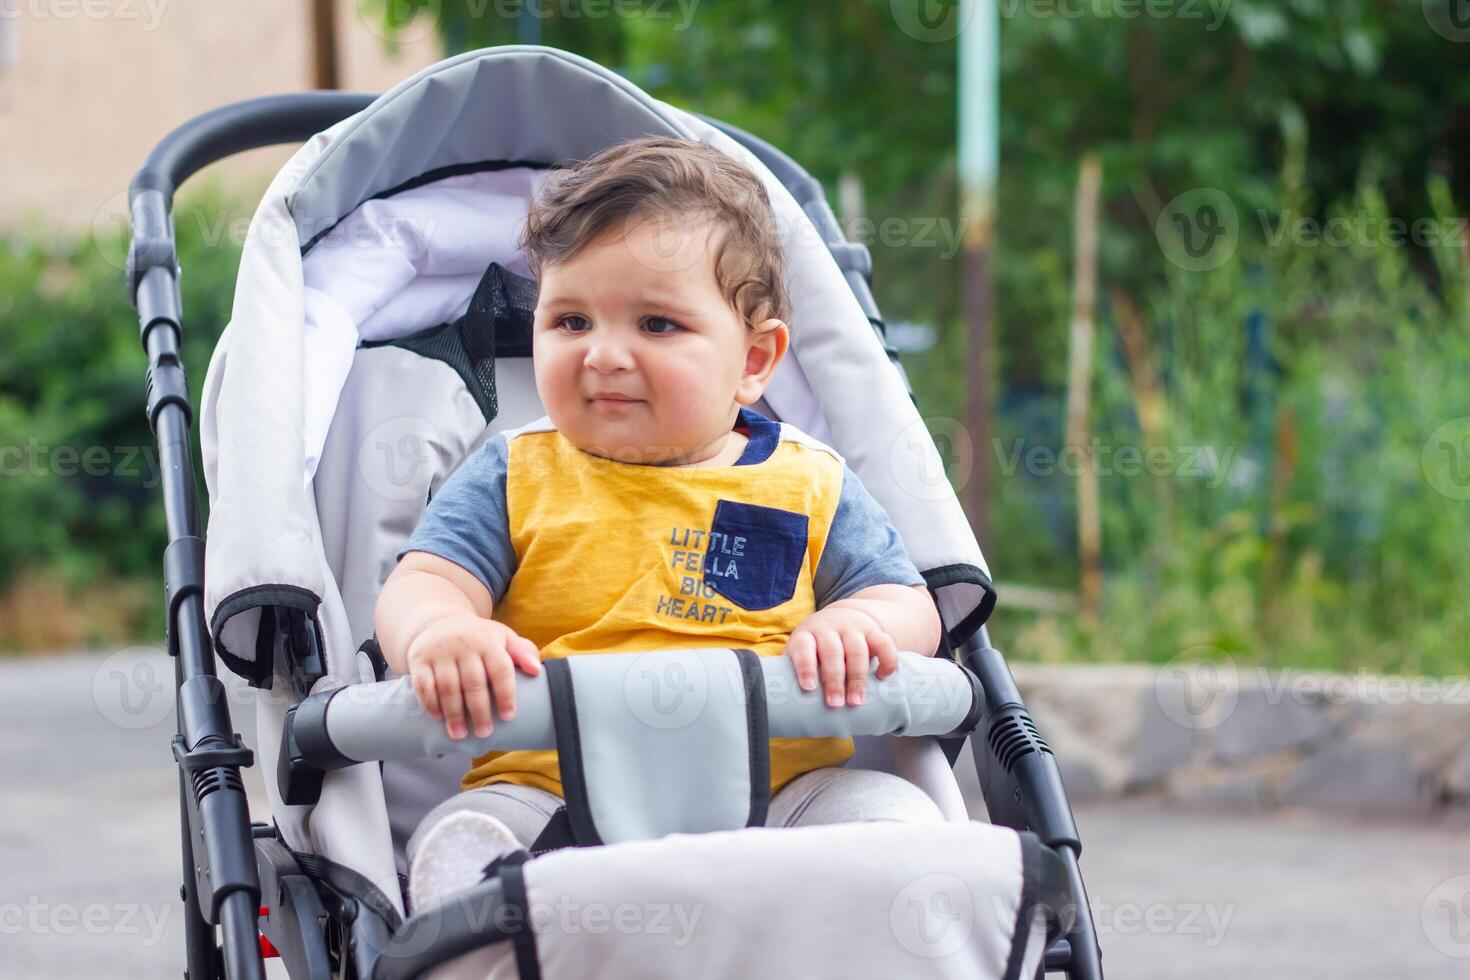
x=433 y=624
x=835 y=642
x=433 y=614
x=871 y=600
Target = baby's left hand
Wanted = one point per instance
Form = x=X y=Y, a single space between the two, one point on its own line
x=835 y=642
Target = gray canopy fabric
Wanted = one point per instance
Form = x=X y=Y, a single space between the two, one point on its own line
x=320 y=451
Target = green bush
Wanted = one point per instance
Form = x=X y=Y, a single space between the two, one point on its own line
x=1322 y=378
x=1336 y=537
x=80 y=469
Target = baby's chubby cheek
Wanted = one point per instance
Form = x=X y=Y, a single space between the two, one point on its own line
x=694 y=409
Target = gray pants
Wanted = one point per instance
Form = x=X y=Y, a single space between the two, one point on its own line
x=822 y=796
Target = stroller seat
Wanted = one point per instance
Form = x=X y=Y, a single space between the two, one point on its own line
x=373 y=346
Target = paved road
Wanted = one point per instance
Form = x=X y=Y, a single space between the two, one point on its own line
x=89 y=859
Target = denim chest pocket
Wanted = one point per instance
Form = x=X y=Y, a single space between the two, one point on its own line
x=754 y=554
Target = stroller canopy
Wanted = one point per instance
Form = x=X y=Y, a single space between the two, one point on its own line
x=383 y=225
x=349 y=384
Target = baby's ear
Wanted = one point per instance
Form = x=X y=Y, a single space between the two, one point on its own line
x=765 y=347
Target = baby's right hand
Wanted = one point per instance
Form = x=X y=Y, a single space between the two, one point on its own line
x=459 y=662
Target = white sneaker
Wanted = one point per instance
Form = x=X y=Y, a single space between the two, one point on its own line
x=452 y=856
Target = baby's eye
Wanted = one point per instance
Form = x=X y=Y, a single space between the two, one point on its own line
x=573 y=323
x=660 y=324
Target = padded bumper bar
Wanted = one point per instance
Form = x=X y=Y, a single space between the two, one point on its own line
x=382 y=721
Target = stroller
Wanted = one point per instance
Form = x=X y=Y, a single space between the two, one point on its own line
x=374 y=344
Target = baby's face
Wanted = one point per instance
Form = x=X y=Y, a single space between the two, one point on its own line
x=638 y=356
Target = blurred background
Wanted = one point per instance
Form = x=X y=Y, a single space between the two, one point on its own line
x=1263 y=341
x=1183 y=289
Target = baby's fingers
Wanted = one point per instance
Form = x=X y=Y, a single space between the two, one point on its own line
x=881 y=645
x=855 y=649
x=502 y=674
x=476 y=690
x=802 y=649
x=422 y=679
x=524 y=654
x=451 y=701
x=832 y=665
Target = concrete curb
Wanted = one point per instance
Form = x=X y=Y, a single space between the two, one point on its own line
x=1221 y=734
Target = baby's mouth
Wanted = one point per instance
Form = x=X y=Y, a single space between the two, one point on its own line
x=609 y=400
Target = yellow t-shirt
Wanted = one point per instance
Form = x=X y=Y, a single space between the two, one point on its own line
x=611 y=557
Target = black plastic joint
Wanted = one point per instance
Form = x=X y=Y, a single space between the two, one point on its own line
x=977 y=706
x=183 y=576
x=212 y=755
x=307 y=751
x=167 y=384
x=853 y=257
x=152 y=245
x=158 y=305
x=302 y=644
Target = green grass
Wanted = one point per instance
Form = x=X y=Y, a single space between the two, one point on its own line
x=1339 y=537
x=1333 y=534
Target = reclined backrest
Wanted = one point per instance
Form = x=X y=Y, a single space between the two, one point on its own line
x=330 y=416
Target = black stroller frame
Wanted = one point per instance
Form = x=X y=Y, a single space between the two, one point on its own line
x=321 y=920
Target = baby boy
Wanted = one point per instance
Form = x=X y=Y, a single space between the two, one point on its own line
x=653 y=508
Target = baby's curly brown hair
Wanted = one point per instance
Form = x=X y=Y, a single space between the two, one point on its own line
x=662 y=177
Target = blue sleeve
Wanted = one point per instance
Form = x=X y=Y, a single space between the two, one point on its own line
x=863 y=548
x=466 y=522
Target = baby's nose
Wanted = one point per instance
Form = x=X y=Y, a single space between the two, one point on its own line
x=608 y=354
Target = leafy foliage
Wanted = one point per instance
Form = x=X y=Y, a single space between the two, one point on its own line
x=1311 y=376
x=78 y=465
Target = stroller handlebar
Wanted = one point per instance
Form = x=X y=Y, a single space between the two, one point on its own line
x=189 y=148
x=385 y=721
x=266 y=121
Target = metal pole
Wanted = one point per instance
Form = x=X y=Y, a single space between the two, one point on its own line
x=325 y=73
x=979 y=164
